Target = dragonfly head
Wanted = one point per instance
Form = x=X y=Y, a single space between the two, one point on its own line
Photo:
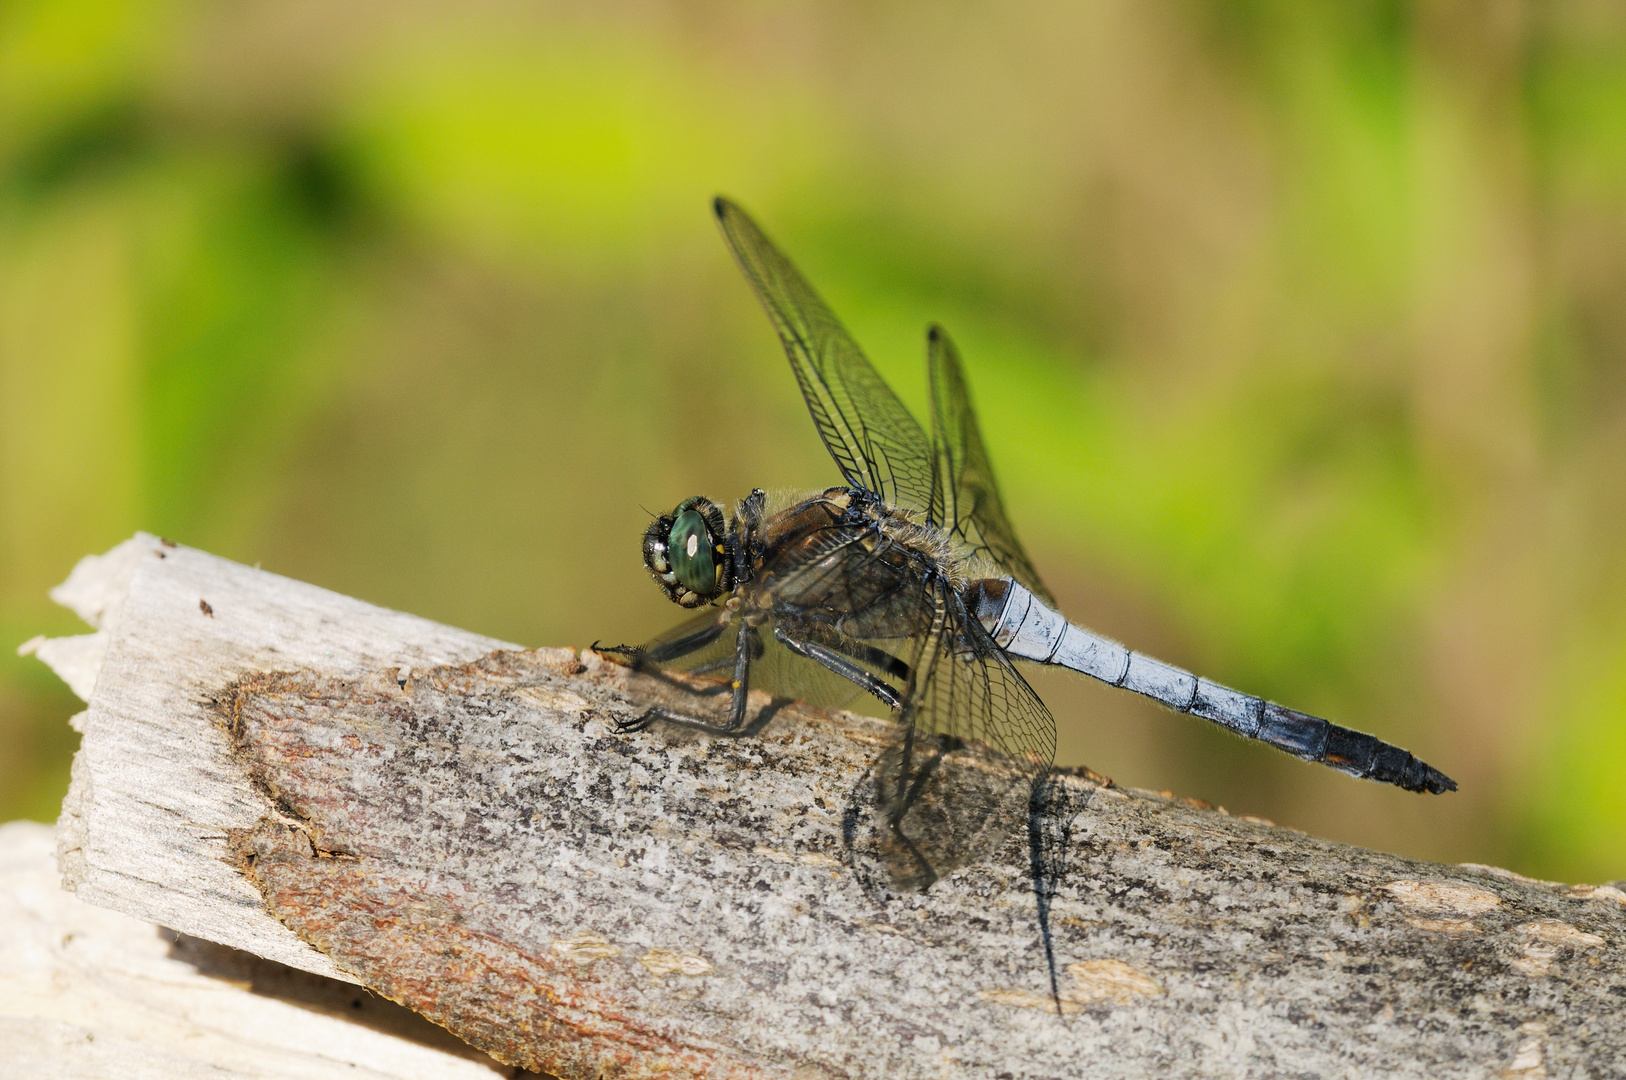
x=687 y=553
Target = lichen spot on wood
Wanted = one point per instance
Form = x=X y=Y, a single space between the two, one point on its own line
x=1443 y=897
x=814 y=858
x=1527 y=1063
x=1443 y=926
x=663 y=962
x=1555 y=932
x=1598 y=892
x=553 y=699
x=1549 y=942
x=1097 y=979
x=585 y=948
x=1094 y=982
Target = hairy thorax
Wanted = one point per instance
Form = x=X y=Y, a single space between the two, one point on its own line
x=863 y=568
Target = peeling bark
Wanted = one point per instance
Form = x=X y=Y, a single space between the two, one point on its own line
x=456 y=824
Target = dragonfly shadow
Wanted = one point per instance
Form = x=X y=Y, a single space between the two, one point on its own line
x=965 y=801
x=1055 y=805
x=922 y=812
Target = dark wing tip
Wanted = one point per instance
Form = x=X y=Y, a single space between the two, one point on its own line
x=721 y=207
x=934 y=333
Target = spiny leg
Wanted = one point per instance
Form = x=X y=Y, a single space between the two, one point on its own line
x=740 y=687
x=741 y=683
x=648 y=661
x=666 y=651
x=844 y=667
x=879 y=658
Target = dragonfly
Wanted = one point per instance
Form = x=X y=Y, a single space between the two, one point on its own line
x=906 y=583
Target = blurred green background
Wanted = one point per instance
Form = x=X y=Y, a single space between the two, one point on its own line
x=1298 y=333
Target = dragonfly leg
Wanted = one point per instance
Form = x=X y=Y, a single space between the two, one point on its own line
x=649 y=662
x=844 y=667
x=666 y=651
x=739 y=686
x=741 y=683
x=642 y=721
x=880 y=658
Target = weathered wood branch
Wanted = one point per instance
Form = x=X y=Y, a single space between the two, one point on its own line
x=455 y=823
x=87 y=992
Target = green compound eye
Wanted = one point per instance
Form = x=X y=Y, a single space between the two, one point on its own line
x=689 y=548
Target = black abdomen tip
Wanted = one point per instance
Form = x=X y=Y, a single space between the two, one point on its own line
x=1420 y=776
x=1360 y=754
x=1435 y=782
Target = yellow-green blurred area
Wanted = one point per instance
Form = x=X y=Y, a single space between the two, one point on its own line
x=1298 y=333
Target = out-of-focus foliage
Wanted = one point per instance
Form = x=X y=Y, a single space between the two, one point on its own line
x=1298 y=330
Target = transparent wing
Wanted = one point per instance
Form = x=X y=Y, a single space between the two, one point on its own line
x=972 y=736
x=967 y=501
x=876 y=444
x=974 y=740
x=969 y=690
x=857 y=591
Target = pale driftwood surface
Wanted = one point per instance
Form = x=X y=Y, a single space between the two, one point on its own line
x=473 y=838
x=87 y=992
x=154 y=782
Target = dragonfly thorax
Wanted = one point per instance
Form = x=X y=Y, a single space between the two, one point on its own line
x=689 y=553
